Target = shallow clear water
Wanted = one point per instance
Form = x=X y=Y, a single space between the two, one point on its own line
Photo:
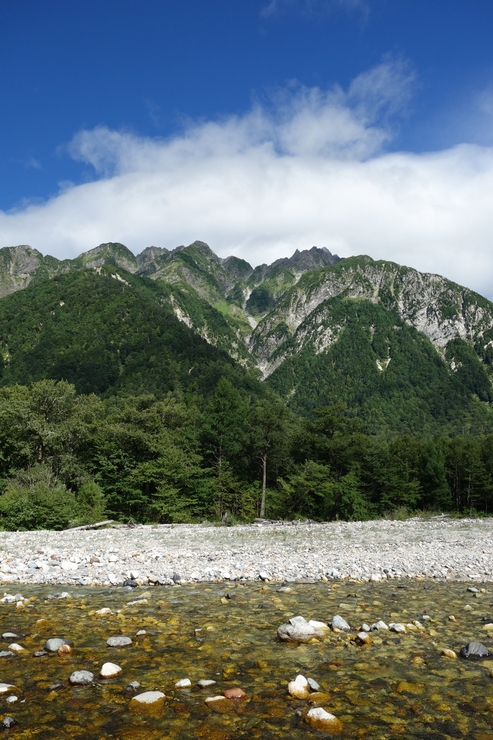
x=399 y=686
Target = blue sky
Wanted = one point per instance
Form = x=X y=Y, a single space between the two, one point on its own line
x=259 y=126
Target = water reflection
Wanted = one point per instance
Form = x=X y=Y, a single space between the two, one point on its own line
x=400 y=685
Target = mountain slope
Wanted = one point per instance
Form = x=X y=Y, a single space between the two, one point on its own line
x=408 y=352
x=105 y=330
x=205 y=292
x=438 y=308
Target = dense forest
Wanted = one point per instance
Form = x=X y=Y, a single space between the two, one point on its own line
x=112 y=407
x=69 y=459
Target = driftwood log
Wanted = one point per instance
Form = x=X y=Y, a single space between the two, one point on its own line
x=90 y=526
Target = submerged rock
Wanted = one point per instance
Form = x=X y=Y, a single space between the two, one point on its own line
x=320 y=719
x=81 y=678
x=219 y=704
x=397 y=627
x=118 y=641
x=339 y=623
x=55 y=643
x=184 y=683
x=297 y=629
x=110 y=670
x=149 y=701
x=235 y=693
x=299 y=688
x=447 y=653
x=474 y=651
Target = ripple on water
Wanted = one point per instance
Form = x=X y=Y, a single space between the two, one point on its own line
x=398 y=684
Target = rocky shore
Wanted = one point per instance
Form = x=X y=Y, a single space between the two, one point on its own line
x=439 y=548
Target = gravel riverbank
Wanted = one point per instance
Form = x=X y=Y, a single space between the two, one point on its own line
x=440 y=548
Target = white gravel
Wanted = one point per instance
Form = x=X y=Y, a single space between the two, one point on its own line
x=440 y=548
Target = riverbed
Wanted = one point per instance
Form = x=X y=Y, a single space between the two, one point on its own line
x=400 y=684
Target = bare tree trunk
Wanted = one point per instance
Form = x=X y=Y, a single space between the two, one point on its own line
x=264 y=485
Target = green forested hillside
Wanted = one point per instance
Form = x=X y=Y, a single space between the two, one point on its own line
x=106 y=331
x=388 y=373
x=122 y=396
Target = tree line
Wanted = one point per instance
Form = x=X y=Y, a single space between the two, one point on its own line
x=69 y=459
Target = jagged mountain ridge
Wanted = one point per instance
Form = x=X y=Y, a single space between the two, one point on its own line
x=220 y=299
x=399 y=346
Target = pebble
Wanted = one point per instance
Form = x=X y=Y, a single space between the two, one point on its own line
x=299 y=688
x=8 y=722
x=369 y=551
x=81 y=678
x=149 y=701
x=447 y=653
x=16 y=648
x=380 y=625
x=297 y=629
x=320 y=719
x=110 y=670
x=235 y=693
x=54 y=644
x=219 y=704
x=205 y=682
x=339 y=623
x=118 y=641
x=396 y=627
x=184 y=683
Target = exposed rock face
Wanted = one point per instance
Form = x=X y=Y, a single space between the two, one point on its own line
x=436 y=307
x=20 y=265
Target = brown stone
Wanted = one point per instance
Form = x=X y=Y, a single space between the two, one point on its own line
x=219 y=704
x=235 y=693
x=299 y=688
x=320 y=719
x=448 y=653
x=150 y=702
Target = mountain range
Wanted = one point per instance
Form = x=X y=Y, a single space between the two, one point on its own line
x=407 y=352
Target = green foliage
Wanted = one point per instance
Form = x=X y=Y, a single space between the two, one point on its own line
x=91 y=505
x=260 y=300
x=107 y=332
x=34 y=499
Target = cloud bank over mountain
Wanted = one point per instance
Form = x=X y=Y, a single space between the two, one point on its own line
x=306 y=167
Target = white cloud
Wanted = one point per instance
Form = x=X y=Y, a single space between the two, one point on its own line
x=309 y=168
